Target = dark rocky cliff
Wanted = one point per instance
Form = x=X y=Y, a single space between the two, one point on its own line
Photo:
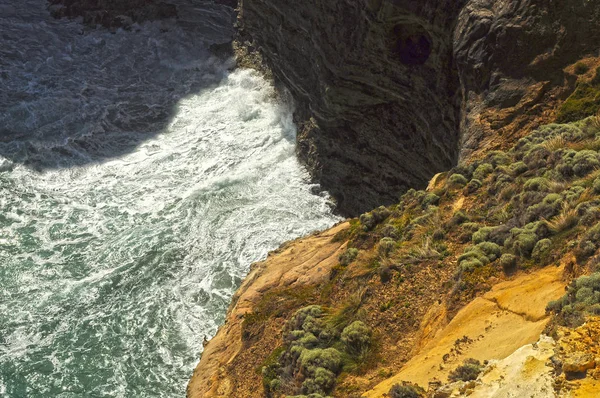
x=376 y=87
x=384 y=88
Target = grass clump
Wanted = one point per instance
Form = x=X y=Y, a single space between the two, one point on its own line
x=538 y=184
x=469 y=370
x=370 y=220
x=473 y=186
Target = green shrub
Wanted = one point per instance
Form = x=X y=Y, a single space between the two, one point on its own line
x=523 y=240
x=491 y=250
x=405 y=391
x=596 y=186
x=538 y=184
x=483 y=171
x=386 y=246
x=372 y=219
x=356 y=338
x=498 y=158
x=439 y=234
x=470 y=264
x=429 y=200
x=518 y=168
x=347 y=257
x=319 y=381
x=537 y=157
x=457 y=180
x=508 y=262
x=458 y=218
x=483 y=234
x=469 y=370
x=589 y=243
x=541 y=249
x=472 y=187
x=328 y=358
x=582 y=298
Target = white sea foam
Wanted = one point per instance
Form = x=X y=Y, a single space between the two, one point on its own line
x=144 y=179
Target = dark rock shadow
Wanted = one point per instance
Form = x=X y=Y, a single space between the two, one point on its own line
x=72 y=95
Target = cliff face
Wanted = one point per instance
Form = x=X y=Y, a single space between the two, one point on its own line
x=376 y=89
x=390 y=92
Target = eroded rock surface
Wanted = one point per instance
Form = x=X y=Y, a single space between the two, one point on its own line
x=389 y=92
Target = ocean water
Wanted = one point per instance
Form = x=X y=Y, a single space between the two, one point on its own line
x=139 y=179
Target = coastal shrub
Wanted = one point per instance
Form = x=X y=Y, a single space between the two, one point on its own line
x=537 y=157
x=538 y=184
x=405 y=391
x=472 y=187
x=457 y=180
x=548 y=208
x=498 y=158
x=483 y=171
x=578 y=164
x=518 y=168
x=320 y=380
x=588 y=213
x=439 y=234
x=582 y=298
x=347 y=257
x=429 y=200
x=458 y=218
x=596 y=186
x=508 y=262
x=356 y=338
x=469 y=370
x=478 y=256
x=327 y=358
x=522 y=240
x=372 y=219
x=589 y=243
x=386 y=246
x=482 y=234
x=541 y=249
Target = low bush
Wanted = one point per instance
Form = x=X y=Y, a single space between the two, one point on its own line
x=386 y=246
x=582 y=298
x=356 y=338
x=541 y=249
x=538 y=184
x=483 y=171
x=406 y=391
x=430 y=199
x=457 y=180
x=508 y=262
x=347 y=257
x=469 y=370
x=472 y=187
x=589 y=243
x=518 y=168
x=482 y=235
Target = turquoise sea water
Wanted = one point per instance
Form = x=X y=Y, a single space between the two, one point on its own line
x=139 y=179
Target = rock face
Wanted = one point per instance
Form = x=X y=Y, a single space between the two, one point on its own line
x=376 y=89
x=383 y=87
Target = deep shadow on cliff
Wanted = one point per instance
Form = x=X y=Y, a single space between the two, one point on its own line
x=389 y=92
x=109 y=109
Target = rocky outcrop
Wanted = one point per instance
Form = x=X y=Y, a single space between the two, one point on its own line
x=227 y=367
x=376 y=88
x=511 y=58
x=389 y=92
